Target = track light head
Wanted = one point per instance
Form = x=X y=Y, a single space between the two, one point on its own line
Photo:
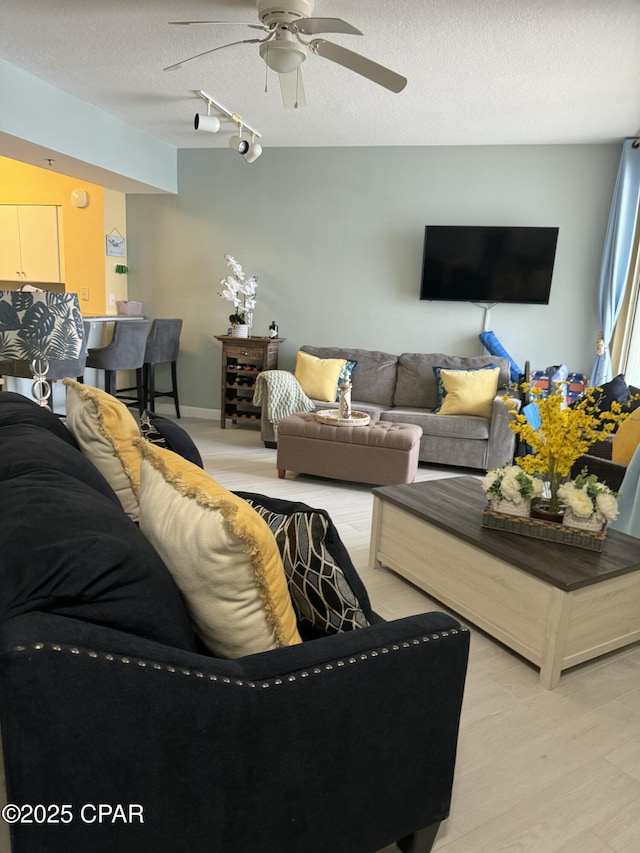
x=209 y=123
x=239 y=144
x=253 y=152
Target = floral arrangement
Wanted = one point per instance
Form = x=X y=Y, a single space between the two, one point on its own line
x=511 y=483
x=239 y=289
x=564 y=435
x=586 y=496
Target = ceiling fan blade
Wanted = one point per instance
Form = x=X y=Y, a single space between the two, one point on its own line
x=235 y=23
x=205 y=52
x=292 y=89
x=360 y=64
x=312 y=26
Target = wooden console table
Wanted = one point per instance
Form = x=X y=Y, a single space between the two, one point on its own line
x=242 y=360
x=555 y=605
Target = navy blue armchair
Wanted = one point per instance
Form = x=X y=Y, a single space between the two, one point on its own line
x=134 y=739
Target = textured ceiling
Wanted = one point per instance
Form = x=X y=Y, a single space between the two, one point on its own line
x=480 y=71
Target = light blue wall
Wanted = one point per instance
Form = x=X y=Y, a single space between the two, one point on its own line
x=336 y=235
x=102 y=148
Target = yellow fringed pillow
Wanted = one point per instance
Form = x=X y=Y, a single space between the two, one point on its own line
x=105 y=431
x=318 y=377
x=221 y=553
x=626 y=439
x=469 y=392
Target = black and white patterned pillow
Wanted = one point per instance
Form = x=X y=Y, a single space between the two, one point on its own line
x=322 y=591
x=165 y=433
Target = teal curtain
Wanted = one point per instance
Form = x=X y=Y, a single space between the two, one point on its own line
x=616 y=257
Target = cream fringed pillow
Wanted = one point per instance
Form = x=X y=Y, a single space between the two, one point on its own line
x=221 y=554
x=469 y=392
x=105 y=431
x=318 y=377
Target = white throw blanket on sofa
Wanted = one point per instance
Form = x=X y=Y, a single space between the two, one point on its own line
x=280 y=394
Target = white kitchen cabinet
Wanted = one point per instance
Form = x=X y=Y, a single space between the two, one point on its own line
x=29 y=243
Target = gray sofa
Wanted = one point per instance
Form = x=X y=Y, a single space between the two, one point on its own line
x=403 y=389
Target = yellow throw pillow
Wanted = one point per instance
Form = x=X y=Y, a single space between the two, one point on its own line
x=469 y=392
x=221 y=554
x=626 y=439
x=105 y=431
x=318 y=377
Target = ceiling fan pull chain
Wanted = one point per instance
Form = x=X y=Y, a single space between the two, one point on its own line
x=295 y=106
x=266 y=72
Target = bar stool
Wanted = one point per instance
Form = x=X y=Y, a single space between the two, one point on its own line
x=163 y=345
x=125 y=351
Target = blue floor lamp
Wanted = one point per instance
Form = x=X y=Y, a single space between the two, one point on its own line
x=38 y=326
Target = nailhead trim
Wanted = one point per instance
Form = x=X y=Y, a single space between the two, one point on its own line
x=288 y=679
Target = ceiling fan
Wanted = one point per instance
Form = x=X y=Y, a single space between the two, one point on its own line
x=284 y=51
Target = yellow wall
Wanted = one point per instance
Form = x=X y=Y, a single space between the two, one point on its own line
x=83 y=229
x=115 y=218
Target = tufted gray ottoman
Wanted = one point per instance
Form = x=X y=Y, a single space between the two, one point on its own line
x=380 y=453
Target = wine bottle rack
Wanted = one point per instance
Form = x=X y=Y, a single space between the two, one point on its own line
x=242 y=360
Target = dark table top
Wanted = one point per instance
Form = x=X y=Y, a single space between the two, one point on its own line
x=455 y=505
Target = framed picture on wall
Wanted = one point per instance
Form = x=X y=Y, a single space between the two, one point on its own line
x=116 y=245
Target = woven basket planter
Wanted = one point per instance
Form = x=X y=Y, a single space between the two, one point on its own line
x=592 y=523
x=509 y=508
x=560 y=533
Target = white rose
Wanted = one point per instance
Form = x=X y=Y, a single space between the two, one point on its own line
x=489 y=479
x=581 y=504
x=510 y=488
x=607 y=506
x=538 y=487
x=565 y=491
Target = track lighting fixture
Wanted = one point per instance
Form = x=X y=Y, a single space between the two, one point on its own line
x=210 y=123
x=253 y=151
x=249 y=150
x=239 y=144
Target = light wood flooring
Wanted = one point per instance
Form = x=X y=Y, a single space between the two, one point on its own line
x=538 y=771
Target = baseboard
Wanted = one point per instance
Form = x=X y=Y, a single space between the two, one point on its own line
x=167 y=408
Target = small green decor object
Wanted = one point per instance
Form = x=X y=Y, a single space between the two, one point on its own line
x=122 y=269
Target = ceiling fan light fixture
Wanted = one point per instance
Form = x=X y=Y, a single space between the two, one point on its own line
x=283 y=57
x=208 y=123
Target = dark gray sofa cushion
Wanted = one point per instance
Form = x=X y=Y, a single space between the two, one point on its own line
x=29 y=449
x=373 y=378
x=67 y=549
x=18 y=409
x=417 y=385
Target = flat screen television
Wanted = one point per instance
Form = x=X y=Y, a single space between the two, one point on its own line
x=480 y=263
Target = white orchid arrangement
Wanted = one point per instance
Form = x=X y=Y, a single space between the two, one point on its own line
x=511 y=483
x=586 y=495
x=239 y=289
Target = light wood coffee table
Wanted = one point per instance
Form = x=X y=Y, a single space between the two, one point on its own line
x=554 y=604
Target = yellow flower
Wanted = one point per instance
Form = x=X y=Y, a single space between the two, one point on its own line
x=565 y=433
